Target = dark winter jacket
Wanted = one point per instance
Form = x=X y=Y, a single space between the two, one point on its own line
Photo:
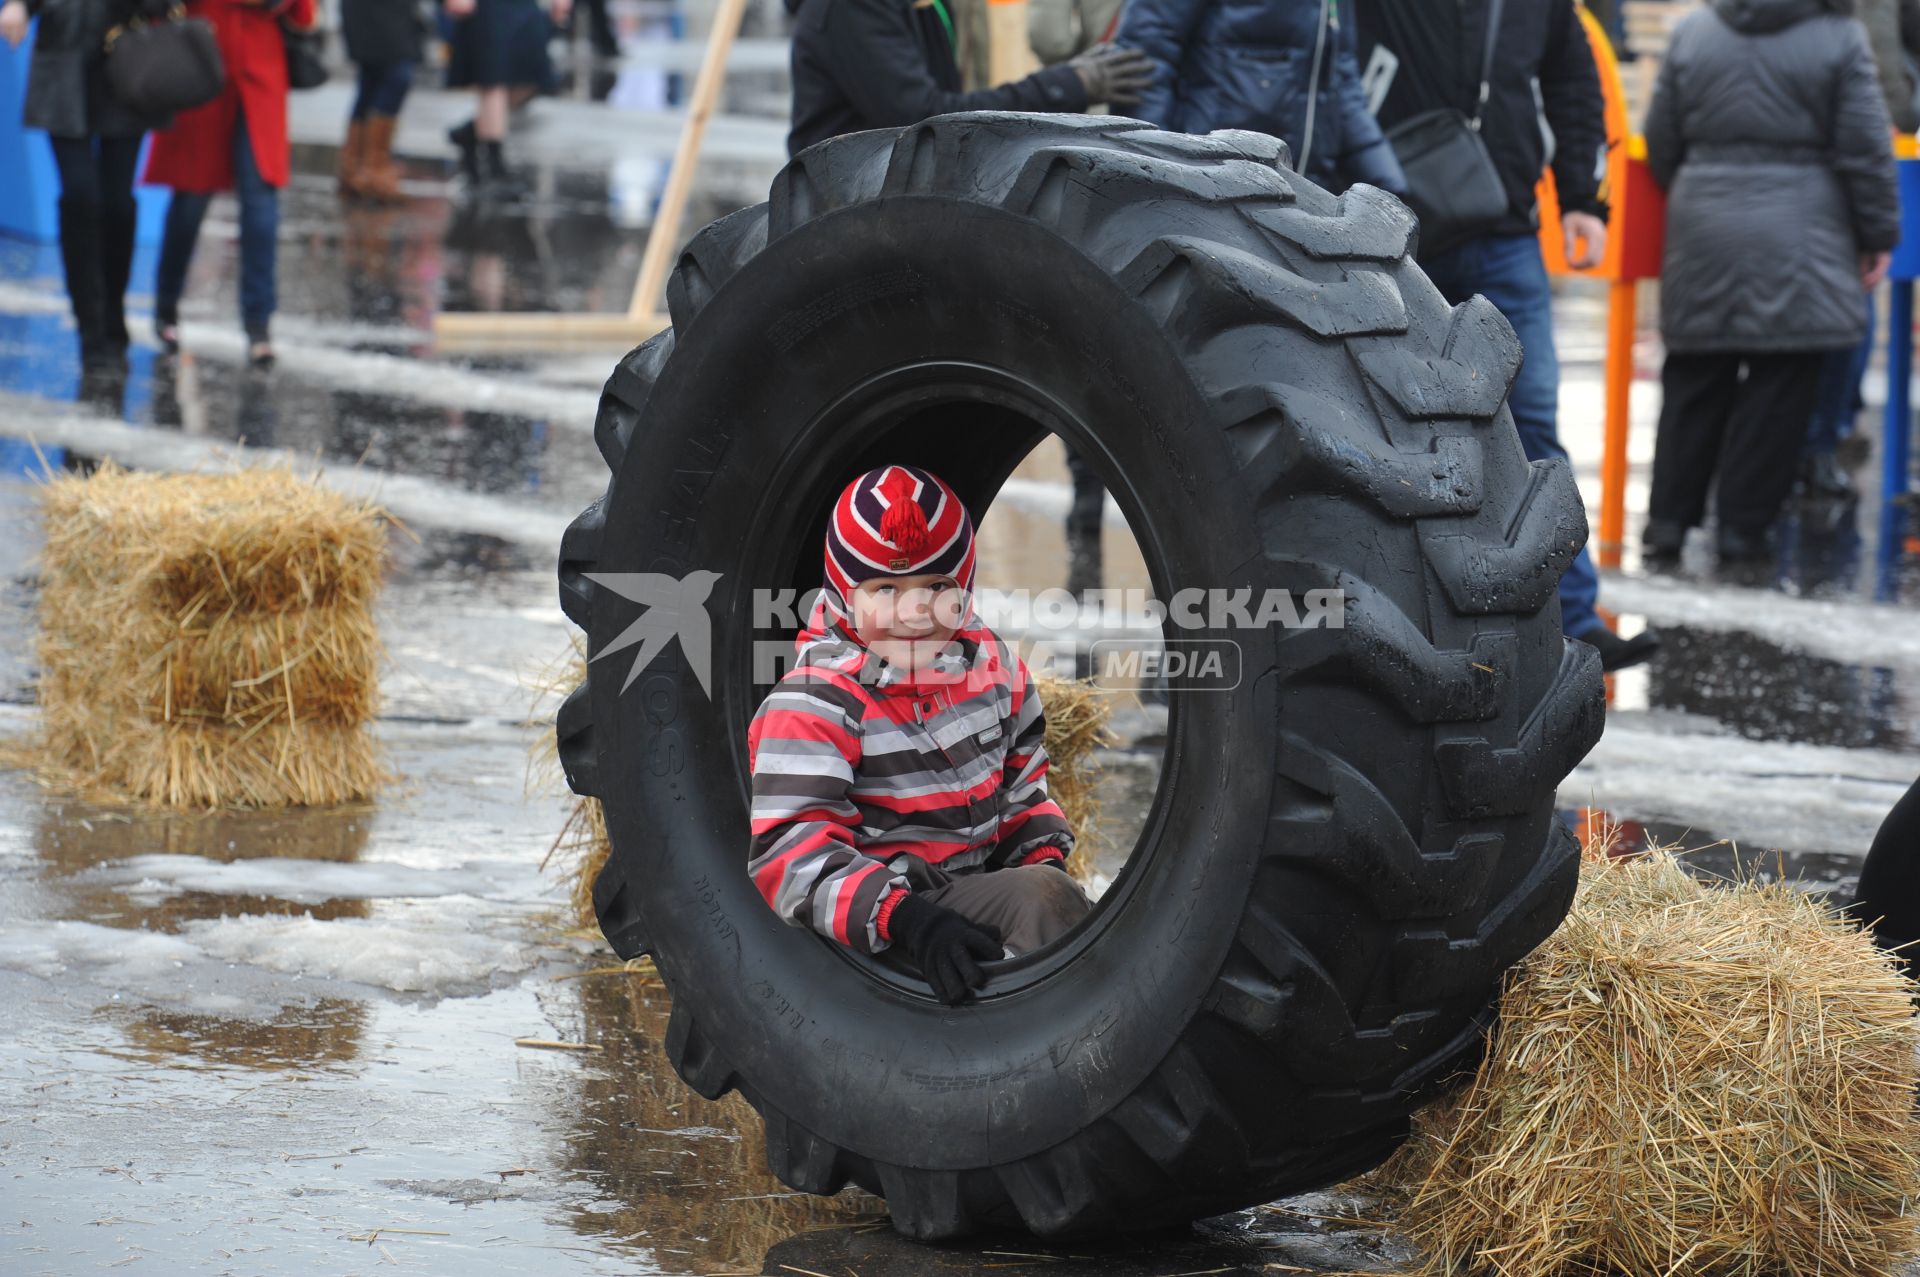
x=1768 y=132
x=66 y=83
x=1249 y=64
x=381 y=32
x=1893 y=32
x=1439 y=46
x=875 y=64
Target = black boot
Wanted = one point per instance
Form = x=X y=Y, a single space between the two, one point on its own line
x=1661 y=544
x=498 y=182
x=80 y=253
x=1618 y=653
x=1822 y=477
x=467 y=142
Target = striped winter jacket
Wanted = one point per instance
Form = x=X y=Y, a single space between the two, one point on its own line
x=856 y=768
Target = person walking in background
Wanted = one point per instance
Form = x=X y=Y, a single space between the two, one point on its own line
x=1893 y=33
x=1283 y=67
x=499 y=50
x=384 y=41
x=96 y=148
x=237 y=142
x=1435 y=53
x=874 y=64
x=1770 y=136
x=1060 y=29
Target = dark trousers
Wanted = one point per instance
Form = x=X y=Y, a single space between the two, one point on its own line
x=1839 y=399
x=1508 y=271
x=383 y=88
x=259 y=241
x=1031 y=906
x=97 y=217
x=1742 y=417
x=1888 y=898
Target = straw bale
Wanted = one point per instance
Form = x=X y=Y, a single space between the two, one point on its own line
x=209 y=640
x=1077 y=717
x=1685 y=1080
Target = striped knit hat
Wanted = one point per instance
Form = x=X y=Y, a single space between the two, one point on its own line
x=895 y=521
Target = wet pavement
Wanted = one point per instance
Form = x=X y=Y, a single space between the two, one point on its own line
x=285 y=1043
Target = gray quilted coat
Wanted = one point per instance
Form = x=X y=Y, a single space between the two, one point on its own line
x=1770 y=137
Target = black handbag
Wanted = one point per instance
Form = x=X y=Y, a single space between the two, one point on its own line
x=1452 y=183
x=306 y=56
x=159 y=68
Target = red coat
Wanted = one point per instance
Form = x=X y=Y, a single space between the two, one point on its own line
x=196 y=154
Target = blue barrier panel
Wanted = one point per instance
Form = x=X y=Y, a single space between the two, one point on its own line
x=29 y=186
x=1896 y=448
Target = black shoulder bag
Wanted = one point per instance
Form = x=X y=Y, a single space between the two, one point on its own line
x=161 y=67
x=306 y=56
x=1452 y=184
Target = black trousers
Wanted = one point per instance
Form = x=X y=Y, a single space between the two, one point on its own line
x=1888 y=898
x=97 y=216
x=1743 y=416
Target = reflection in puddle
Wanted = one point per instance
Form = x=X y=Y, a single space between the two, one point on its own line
x=681 y=1177
x=325 y=1034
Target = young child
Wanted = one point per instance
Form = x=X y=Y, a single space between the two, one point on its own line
x=899 y=772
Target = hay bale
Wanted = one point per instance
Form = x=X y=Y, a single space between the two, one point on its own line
x=1077 y=714
x=1685 y=1080
x=207 y=640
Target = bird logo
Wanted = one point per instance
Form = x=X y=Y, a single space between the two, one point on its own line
x=676 y=607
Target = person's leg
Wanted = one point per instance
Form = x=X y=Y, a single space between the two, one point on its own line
x=1888 y=897
x=1031 y=906
x=1513 y=277
x=1766 y=429
x=118 y=160
x=1084 y=520
x=1696 y=395
x=350 y=172
x=259 y=242
x=380 y=176
x=80 y=229
x=186 y=210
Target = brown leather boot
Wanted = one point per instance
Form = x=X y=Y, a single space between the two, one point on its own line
x=379 y=175
x=351 y=173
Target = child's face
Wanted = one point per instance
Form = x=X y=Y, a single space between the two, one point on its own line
x=908 y=620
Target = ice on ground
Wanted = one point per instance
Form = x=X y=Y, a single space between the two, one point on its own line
x=55 y=949
x=1849 y=632
x=306 y=882
x=1765 y=795
x=384 y=955
x=404 y=959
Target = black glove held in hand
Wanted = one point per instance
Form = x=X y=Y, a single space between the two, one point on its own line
x=947 y=948
x=1112 y=74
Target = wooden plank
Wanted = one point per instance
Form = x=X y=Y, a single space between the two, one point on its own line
x=665 y=236
x=521 y=330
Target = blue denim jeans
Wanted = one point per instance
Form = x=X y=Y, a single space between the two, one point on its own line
x=1839 y=402
x=259 y=241
x=383 y=88
x=1508 y=271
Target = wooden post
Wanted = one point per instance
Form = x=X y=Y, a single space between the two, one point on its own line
x=1621 y=298
x=665 y=236
x=1009 y=51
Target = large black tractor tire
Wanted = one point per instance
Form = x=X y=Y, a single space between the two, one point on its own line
x=1347 y=848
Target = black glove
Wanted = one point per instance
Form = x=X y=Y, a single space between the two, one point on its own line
x=947 y=948
x=1112 y=74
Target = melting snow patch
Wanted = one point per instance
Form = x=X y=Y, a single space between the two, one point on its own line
x=384 y=955
x=57 y=948
x=307 y=882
